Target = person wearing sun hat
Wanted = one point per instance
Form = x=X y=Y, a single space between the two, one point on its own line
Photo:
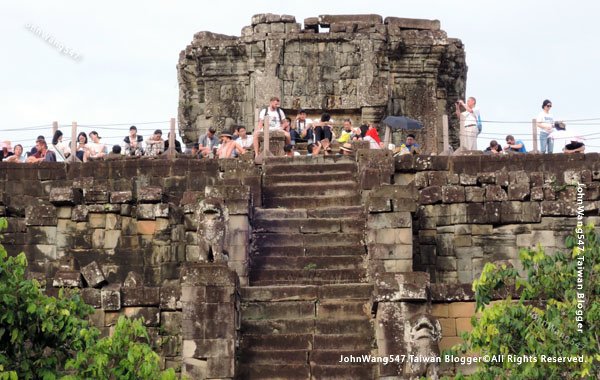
x=346 y=149
x=228 y=147
x=545 y=124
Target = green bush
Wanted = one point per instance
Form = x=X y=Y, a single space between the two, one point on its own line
x=544 y=321
x=40 y=334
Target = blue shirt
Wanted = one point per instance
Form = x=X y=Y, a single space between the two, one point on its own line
x=521 y=149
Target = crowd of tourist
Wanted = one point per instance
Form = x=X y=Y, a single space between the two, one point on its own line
x=316 y=137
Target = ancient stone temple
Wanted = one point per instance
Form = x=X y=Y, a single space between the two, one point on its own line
x=357 y=66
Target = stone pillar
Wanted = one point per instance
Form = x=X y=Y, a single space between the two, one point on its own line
x=210 y=304
x=276 y=142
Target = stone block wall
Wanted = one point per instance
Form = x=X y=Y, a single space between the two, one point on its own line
x=357 y=66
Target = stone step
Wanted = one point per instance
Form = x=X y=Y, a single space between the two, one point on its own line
x=342 y=342
x=333 y=176
x=342 y=371
x=280 y=342
x=310 y=167
x=311 y=189
x=262 y=239
x=311 y=202
x=254 y=356
x=311 y=225
x=278 y=326
x=345 y=327
x=304 y=263
x=343 y=310
x=308 y=293
x=278 y=310
x=303 y=213
x=332 y=357
x=306 y=277
x=281 y=371
x=290 y=251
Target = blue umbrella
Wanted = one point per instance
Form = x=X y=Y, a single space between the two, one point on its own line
x=402 y=122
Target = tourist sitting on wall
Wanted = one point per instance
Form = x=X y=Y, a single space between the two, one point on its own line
x=293 y=130
x=514 y=146
x=196 y=151
x=34 y=147
x=42 y=153
x=228 y=147
x=133 y=143
x=82 y=148
x=323 y=129
x=347 y=132
x=346 y=149
x=308 y=134
x=114 y=154
x=244 y=139
x=494 y=148
x=301 y=124
x=411 y=144
x=95 y=148
x=568 y=141
x=275 y=117
x=61 y=148
x=208 y=141
x=177 y=144
x=313 y=149
x=17 y=156
x=6 y=150
x=369 y=133
x=155 y=144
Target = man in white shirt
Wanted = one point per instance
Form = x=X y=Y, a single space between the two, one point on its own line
x=469 y=118
x=244 y=139
x=275 y=116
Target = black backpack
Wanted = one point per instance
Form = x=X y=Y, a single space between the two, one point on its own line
x=266 y=109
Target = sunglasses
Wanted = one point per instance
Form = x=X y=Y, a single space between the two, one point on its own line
x=549 y=105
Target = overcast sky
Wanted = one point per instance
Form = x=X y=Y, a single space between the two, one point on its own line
x=124 y=70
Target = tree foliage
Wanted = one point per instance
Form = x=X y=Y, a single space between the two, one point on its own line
x=544 y=322
x=40 y=334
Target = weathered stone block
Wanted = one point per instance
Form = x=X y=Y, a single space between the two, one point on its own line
x=40 y=215
x=94 y=196
x=79 y=213
x=453 y=194
x=121 y=196
x=111 y=297
x=518 y=191
x=93 y=275
x=430 y=195
x=495 y=193
x=389 y=220
x=474 y=194
x=151 y=315
x=67 y=279
x=97 y=220
x=140 y=296
x=65 y=196
x=149 y=194
x=92 y=297
x=537 y=193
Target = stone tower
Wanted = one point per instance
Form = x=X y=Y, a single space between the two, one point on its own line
x=357 y=66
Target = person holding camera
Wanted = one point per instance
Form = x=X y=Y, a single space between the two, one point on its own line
x=469 y=121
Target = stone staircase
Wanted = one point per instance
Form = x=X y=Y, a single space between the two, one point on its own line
x=307 y=303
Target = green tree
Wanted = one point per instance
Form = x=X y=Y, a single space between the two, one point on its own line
x=544 y=321
x=40 y=334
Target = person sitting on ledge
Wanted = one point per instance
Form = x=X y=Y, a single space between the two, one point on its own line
x=494 y=148
x=411 y=144
x=514 y=146
x=42 y=153
x=574 y=147
x=229 y=148
x=313 y=149
x=114 y=154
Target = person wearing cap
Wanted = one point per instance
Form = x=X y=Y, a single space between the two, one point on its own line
x=229 y=148
x=155 y=144
x=208 y=141
x=133 y=143
x=42 y=153
x=95 y=148
x=545 y=125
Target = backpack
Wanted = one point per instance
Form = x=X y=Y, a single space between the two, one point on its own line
x=266 y=109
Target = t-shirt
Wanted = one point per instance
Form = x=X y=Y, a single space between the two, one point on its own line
x=245 y=143
x=275 y=117
x=521 y=149
x=208 y=142
x=96 y=148
x=345 y=137
x=469 y=118
x=546 y=119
